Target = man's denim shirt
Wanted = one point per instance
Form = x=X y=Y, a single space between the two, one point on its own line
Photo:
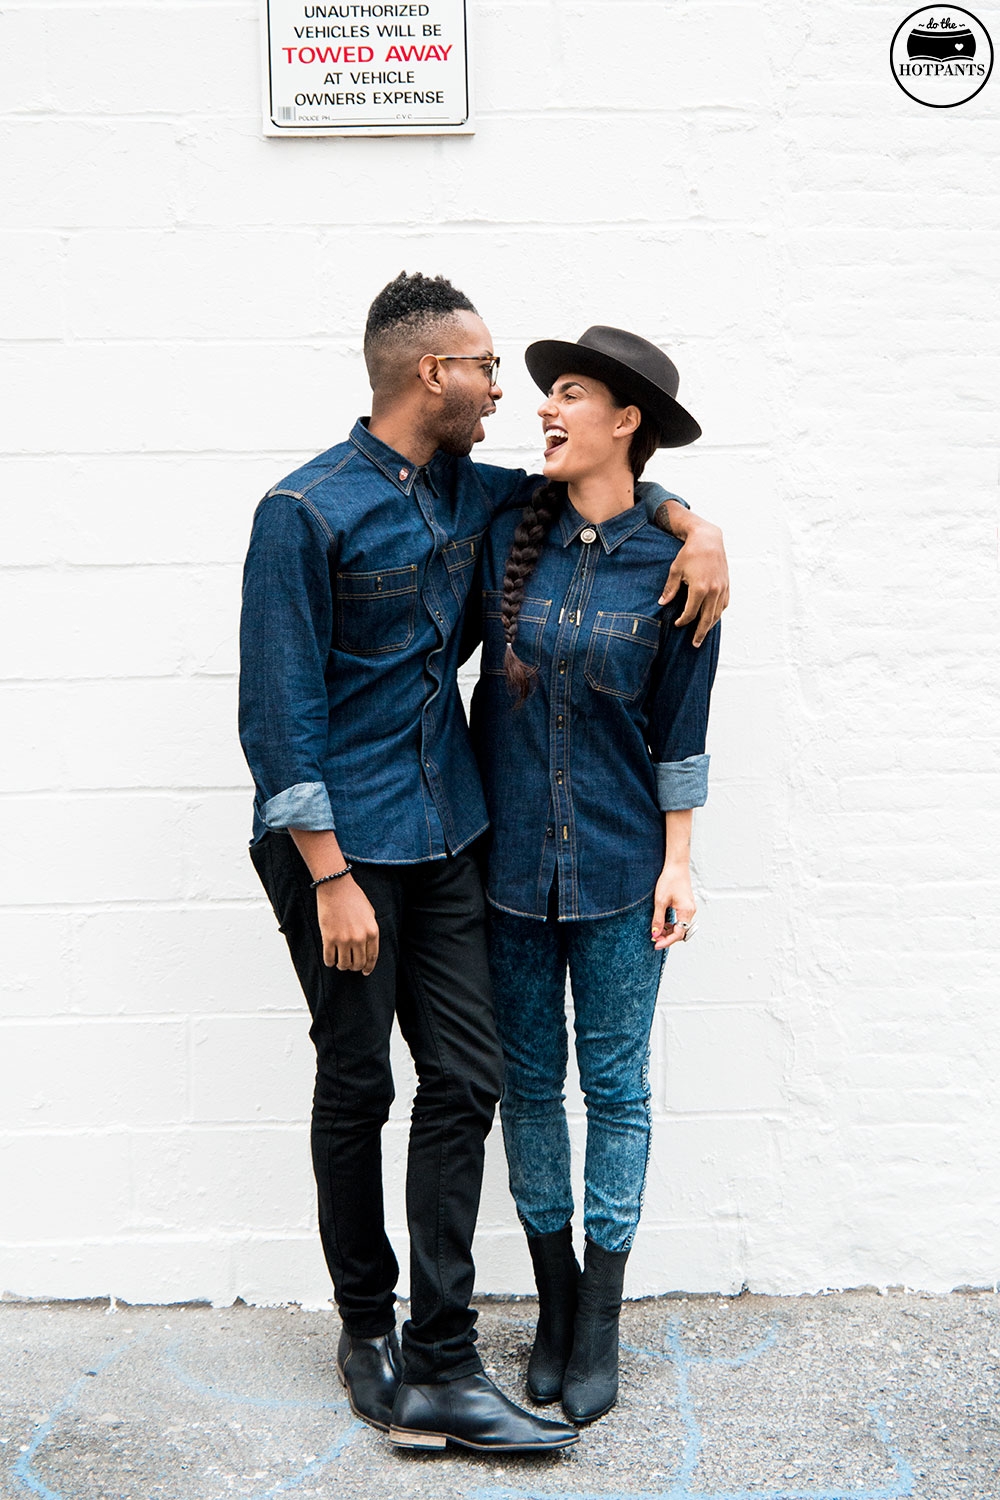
x=350 y=717
x=611 y=736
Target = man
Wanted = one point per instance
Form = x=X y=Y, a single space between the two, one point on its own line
x=367 y=811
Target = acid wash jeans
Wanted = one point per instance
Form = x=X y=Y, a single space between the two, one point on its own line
x=614 y=973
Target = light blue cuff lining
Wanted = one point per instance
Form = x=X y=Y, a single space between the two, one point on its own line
x=653 y=495
x=306 y=805
x=681 y=784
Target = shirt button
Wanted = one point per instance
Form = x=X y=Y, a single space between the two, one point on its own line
x=559 y=775
x=562 y=666
x=559 y=721
x=550 y=832
x=588 y=534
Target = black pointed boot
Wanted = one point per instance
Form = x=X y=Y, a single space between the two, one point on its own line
x=556 y=1276
x=590 y=1385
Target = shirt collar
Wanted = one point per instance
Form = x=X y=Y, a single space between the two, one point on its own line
x=611 y=532
x=398 y=470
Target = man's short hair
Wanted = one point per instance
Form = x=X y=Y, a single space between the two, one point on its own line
x=409 y=309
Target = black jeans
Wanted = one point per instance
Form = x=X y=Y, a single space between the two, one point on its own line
x=432 y=975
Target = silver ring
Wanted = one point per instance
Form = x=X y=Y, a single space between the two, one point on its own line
x=692 y=928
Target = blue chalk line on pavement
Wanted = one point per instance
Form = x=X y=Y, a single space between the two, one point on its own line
x=25 y=1473
x=679 y=1488
x=268 y=1403
x=24 y=1467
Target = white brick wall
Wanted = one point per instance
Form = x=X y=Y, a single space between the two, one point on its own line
x=820 y=254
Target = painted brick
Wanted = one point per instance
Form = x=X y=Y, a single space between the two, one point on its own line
x=203 y=284
x=87 y=1189
x=38 y=970
x=707 y=1060
x=110 y=849
x=79 y=174
x=134 y=509
x=180 y=291
x=33 y=294
x=92 y=623
x=264 y=1268
x=223 y=1181
x=215 y=830
x=197 y=960
x=255 y=1070
x=92 y=1073
x=125 y=733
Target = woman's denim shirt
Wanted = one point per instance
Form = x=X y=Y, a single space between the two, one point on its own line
x=612 y=735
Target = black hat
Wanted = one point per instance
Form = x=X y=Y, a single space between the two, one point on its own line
x=632 y=365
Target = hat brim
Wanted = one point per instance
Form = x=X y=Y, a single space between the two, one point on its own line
x=550 y=358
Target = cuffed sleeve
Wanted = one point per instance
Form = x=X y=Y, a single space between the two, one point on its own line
x=678 y=711
x=304 y=806
x=285 y=636
x=652 y=496
x=681 y=784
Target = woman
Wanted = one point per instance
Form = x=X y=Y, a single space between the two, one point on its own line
x=589 y=720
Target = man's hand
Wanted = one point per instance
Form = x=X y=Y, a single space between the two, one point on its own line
x=347 y=921
x=700 y=564
x=348 y=925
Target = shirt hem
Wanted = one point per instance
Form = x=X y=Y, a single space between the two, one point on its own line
x=591 y=916
x=420 y=859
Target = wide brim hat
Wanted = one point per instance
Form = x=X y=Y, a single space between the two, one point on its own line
x=632 y=366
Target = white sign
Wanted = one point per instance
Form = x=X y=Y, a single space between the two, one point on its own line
x=366 y=69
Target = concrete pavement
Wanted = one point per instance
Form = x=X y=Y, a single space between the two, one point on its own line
x=852 y=1396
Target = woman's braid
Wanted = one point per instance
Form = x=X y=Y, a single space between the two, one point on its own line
x=529 y=538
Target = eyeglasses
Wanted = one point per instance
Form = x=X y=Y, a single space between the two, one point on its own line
x=490 y=366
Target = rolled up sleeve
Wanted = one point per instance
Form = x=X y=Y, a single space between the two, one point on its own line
x=678 y=713
x=682 y=783
x=304 y=806
x=285 y=636
x=652 y=495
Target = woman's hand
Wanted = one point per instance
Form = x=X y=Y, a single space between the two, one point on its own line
x=673 y=889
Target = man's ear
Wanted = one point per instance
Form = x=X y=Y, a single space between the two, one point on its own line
x=429 y=373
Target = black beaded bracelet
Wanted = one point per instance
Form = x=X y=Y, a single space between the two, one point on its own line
x=338 y=875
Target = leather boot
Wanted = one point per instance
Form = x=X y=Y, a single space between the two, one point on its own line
x=371 y=1370
x=590 y=1385
x=473 y=1413
x=556 y=1276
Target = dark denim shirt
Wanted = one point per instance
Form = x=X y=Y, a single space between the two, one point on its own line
x=613 y=732
x=350 y=717
x=355 y=580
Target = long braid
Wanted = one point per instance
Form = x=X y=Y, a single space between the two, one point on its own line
x=529 y=538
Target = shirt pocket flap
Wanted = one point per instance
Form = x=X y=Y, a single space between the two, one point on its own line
x=530 y=623
x=621 y=652
x=376 y=610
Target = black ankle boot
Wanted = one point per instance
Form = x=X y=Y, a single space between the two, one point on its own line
x=556 y=1276
x=590 y=1385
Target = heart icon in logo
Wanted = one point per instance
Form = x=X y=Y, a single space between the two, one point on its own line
x=959 y=46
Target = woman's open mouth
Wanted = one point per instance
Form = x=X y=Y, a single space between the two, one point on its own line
x=554 y=438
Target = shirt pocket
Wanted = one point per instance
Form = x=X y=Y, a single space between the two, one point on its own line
x=528 y=642
x=459 y=559
x=376 y=611
x=621 y=652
